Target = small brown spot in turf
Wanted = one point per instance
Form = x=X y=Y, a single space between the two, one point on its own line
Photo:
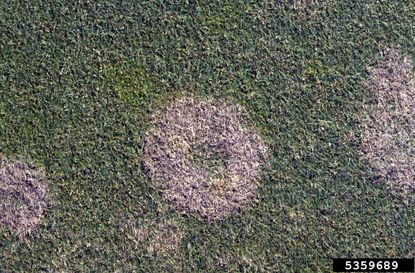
x=304 y=8
x=23 y=196
x=159 y=238
x=204 y=157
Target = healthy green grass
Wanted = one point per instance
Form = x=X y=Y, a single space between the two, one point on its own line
x=63 y=107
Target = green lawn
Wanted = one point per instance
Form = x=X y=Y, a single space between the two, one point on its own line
x=77 y=82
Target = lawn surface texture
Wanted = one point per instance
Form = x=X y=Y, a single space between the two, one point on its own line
x=79 y=81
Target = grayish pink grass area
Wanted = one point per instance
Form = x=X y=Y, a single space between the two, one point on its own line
x=23 y=196
x=204 y=157
x=389 y=123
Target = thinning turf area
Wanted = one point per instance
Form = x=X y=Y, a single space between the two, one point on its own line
x=78 y=82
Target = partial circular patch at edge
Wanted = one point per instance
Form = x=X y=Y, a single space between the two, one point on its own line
x=23 y=196
x=388 y=127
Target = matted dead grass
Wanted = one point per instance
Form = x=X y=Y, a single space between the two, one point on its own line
x=23 y=196
x=389 y=125
x=204 y=157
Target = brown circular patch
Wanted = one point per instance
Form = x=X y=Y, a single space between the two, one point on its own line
x=389 y=123
x=23 y=196
x=204 y=157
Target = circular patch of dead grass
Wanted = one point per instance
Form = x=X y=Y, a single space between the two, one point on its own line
x=389 y=124
x=23 y=196
x=204 y=157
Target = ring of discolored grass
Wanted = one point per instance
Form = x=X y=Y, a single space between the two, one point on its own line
x=204 y=157
x=389 y=125
x=23 y=196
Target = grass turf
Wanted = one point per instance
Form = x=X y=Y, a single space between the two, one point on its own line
x=69 y=102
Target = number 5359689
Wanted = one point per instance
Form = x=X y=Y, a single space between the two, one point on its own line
x=371 y=265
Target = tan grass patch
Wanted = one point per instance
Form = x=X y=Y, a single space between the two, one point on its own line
x=204 y=157
x=389 y=124
x=23 y=196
